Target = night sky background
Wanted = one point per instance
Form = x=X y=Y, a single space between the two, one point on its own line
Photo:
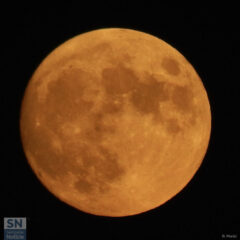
x=209 y=205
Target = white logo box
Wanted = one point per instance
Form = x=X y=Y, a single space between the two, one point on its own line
x=15 y=223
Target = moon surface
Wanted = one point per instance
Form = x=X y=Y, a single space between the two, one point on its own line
x=115 y=122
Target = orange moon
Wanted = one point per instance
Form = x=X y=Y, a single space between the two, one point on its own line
x=115 y=122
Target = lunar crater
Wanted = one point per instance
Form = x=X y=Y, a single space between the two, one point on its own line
x=100 y=164
x=118 y=80
x=183 y=98
x=171 y=66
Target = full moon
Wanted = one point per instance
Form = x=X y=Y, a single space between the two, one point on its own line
x=115 y=122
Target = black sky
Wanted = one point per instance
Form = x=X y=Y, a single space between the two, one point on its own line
x=206 y=36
